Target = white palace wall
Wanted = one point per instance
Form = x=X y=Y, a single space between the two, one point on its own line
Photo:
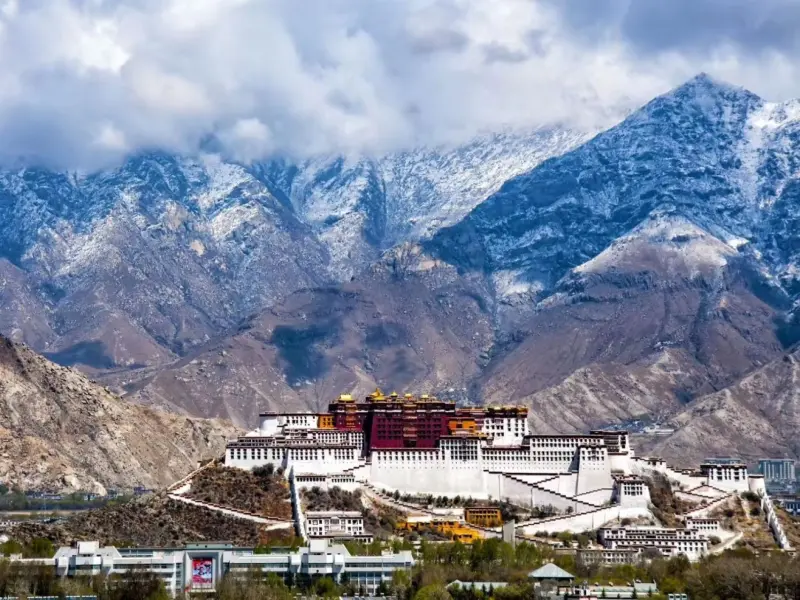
x=585 y=521
x=564 y=483
x=566 y=472
x=594 y=472
x=322 y=460
x=344 y=481
x=439 y=481
x=597 y=497
x=508 y=487
x=464 y=467
x=541 y=478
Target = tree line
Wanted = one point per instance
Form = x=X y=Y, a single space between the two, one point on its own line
x=734 y=575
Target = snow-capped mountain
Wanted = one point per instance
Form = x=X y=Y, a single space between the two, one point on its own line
x=151 y=259
x=362 y=207
x=716 y=154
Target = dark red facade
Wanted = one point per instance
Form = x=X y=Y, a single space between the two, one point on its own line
x=394 y=421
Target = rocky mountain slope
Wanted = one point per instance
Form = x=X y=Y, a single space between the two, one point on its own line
x=58 y=430
x=667 y=313
x=755 y=417
x=430 y=330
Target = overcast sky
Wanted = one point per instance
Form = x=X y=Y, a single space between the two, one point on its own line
x=84 y=82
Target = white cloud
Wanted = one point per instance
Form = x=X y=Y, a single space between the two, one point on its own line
x=110 y=138
x=84 y=81
x=248 y=139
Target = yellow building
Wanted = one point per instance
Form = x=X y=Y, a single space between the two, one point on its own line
x=448 y=527
x=483 y=516
x=460 y=425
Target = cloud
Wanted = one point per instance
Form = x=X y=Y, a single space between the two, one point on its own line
x=83 y=82
x=689 y=27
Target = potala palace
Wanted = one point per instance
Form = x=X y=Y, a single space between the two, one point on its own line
x=423 y=445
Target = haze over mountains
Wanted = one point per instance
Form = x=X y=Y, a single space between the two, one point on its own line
x=638 y=273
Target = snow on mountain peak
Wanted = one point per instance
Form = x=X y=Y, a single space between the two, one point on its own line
x=668 y=242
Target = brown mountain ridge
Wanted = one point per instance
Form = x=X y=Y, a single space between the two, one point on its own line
x=60 y=431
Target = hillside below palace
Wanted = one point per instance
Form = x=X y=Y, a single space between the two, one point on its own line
x=424 y=445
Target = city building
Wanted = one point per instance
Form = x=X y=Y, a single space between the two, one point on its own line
x=790 y=504
x=484 y=516
x=337 y=525
x=668 y=542
x=606 y=556
x=200 y=567
x=777 y=469
x=637 y=589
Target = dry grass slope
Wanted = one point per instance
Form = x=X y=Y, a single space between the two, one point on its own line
x=742 y=515
x=151 y=522
x=259 y=492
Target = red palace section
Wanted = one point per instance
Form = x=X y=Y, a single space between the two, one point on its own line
x=395 y=421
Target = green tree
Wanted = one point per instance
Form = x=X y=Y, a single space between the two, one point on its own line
x=433 y=592
x=326 y=587
x=401 y=584
x=383 y=589
x=566 y=537
x=40 y=548
x=11 y=547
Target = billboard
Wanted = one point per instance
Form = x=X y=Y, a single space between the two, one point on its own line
x=202 y=572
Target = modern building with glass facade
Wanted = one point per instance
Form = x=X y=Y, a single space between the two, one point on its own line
x=777 y=469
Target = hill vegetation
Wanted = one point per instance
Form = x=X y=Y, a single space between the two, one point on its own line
x=153 y=521
x=261 y=491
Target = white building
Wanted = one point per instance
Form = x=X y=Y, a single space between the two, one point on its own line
x=336 y=524
x=669 y=542
x=200 y=567
x=480 y=453
x=505 y=430
x=728 y=477
x=607 y=556
x=706 y=526
x=631 y=490
x=271 y=422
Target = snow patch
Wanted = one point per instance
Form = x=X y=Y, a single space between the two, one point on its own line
x=221 y=179
x=229 y=220
x=671 y=241
x=510 y=283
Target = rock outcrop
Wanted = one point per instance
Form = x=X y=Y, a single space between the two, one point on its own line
x=60 y=431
